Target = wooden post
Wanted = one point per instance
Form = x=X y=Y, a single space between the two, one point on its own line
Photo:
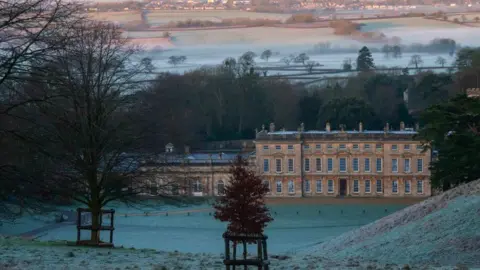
x=259 y=253
x=245 y=253
x=234 y=252
x=227 y=251
x=111 y=226
x=79 y=223
x=265 y=255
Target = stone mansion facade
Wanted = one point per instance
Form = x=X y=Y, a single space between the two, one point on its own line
x=383 y=163
x=329 y=163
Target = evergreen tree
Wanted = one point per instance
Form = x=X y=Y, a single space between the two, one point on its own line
x=452 y=129
x=243 y=205
x=365 y=60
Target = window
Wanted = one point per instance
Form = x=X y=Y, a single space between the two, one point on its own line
x=407 y=186
x=279 y=186
x=330 y=146
x=307 y=186
x=278 y=165
x=267 y=183
x=342 y=146
x=266 y=166
x=265 y=147
x=306 y=146
x=379 y=186
x=356 y=187
x=406 y=165
x=355 y=164
x=343 y=164
x=318 y=146
x=394 y=147
x=394 y=186
x=307 y=164
x=290 y=147
x=419 y=147
x=318 y=164
x=366 y=146
x=330 y=186
x=394 y=165
x=290 y=165
x=355 y=147
x=197 y=186
x=291 y=186
x=367 y=186
x=330 y=164
x=419 y=165
x=379 y=164
x=420 y=186
x=220 y=188
x=367 y=165
x=406 y=147
x=378 y=146
x=278 y=147
x=318 y=186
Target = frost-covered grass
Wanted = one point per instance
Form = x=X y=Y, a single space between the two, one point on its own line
x=21 y=254
x=442 y=230
x=200 y=232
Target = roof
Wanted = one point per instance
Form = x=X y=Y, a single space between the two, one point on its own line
x=200 y=158
x=337 y=135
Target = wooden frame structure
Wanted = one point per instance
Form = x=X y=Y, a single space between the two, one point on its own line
x=81 y=226
x=261 y=261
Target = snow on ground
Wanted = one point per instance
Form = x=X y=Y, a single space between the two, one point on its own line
x=442 y=230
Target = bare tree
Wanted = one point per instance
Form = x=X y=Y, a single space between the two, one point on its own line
x=176 y=60
x=416 y=60
x=91 y=130
x=310 y=65
x=288 y=59
x=301 y=58
x=441 y=61
x=31 y=32
x=266 y=55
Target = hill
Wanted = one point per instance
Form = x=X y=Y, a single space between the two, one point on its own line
x=442 y=230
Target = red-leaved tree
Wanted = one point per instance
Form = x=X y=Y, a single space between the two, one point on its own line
x=243 y=205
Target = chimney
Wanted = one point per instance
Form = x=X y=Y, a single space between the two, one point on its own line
x=342 y=128
x=272 y=127
x=263 y=127
x=402 y=126
x=417 y=126
x=187 y=149
x=387 y=127
x=360 y=127
x=302 y=127
x=327 y=127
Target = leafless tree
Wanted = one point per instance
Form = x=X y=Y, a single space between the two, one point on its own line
x=31 y=32
x=89 y=128
x=416 y=60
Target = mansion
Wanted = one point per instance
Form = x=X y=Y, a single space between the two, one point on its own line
x=385 y=163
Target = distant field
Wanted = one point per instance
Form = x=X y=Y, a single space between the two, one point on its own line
x=162 y=17
x=257 y=36
x=374 y=25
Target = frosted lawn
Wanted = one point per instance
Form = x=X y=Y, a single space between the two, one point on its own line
x=199 y=232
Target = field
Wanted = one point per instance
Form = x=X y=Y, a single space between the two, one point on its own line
x=163 y=17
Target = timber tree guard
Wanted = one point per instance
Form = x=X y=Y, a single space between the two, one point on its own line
x=261 y=261
x=243 y=207
x=81 y=226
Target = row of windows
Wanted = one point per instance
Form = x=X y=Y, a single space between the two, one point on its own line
x=356 y=186
x=343 y=165
x=394 y=147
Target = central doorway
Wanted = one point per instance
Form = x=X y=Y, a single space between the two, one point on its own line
x=343 y=187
